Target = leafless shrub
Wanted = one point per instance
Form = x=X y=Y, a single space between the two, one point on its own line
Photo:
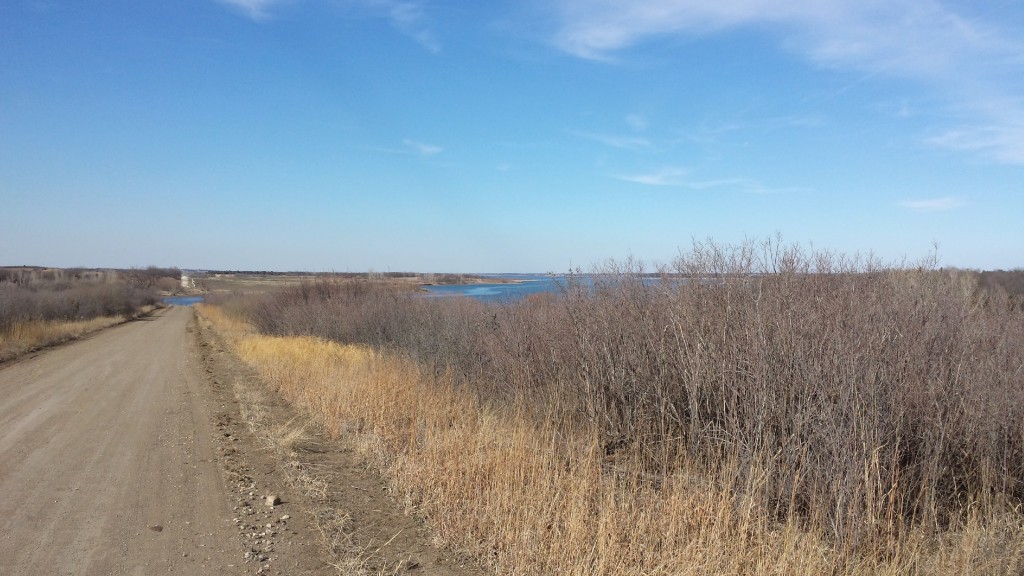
x=59 y=296
x=150 y=277
x=1009 y=281
x=858 y=398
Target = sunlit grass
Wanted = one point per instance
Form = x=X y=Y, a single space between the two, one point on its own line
x=25 y=336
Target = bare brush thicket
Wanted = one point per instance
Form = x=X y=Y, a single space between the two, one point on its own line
x=69 y=300
x=855 y=400
x=44 y=306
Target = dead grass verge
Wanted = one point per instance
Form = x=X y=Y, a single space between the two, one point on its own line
x=24 y=337
x=360 y=526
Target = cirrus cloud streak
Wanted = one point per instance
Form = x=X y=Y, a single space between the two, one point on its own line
x=967 y=56
x=933 y=204
x=673 y=177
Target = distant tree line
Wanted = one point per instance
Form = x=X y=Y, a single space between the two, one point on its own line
x=1012 y=281
x=431 y=277
x=31 y=295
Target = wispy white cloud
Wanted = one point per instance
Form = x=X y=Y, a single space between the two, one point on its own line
x=912 y=36
x=408 y=147
x=255 y=9
x=597 y=28
x=1001 y=142
x=408 y=17
x=708 y=133
x=966 y=57
x=898 y=108
x=421 y=148
x=663 y=177
x=933 y=204
x=616 y=141
x=637 y=122
x=674 y=177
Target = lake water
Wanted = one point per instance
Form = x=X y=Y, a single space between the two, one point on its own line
x=182 y=300
x=526 y=285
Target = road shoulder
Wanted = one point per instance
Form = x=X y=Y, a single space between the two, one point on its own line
x=269 y=448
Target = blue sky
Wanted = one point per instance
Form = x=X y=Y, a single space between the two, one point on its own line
x=350 y=135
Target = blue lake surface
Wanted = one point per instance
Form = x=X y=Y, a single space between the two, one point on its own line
x=526 y=285
x=182 y=300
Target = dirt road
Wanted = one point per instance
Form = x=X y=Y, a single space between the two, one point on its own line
x=107 y=464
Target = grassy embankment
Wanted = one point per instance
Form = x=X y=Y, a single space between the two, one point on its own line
x=42 y=307
x=780 y=412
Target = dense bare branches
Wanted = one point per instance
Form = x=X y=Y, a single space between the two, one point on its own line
x=68 y=295
x=857 y=398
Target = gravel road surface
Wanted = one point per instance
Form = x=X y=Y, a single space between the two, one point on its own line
x=107 y=464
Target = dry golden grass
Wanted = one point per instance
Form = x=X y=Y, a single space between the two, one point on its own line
x=26 y=336
x=524 y=498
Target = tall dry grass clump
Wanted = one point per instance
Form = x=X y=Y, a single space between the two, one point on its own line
x=21 y=337
x=752 y=409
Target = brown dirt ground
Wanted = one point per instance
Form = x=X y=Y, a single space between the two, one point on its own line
x=147 y=448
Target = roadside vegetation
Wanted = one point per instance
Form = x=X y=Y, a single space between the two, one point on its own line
x=40 y=307
x=756 y=409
